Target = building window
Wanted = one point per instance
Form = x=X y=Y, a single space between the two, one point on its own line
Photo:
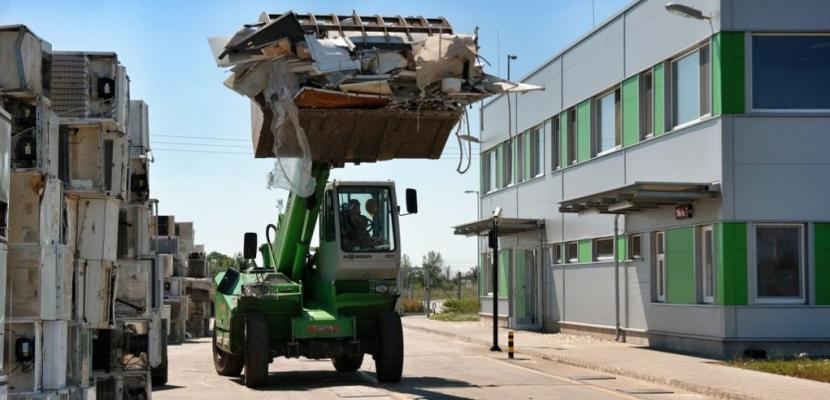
x=490 y=167
x=607 y=132
x=635 y=247
x=660 y=266
x=571 y=136
x=646 y=105
x=487 y=273
x=690 y=87
x=604 y=249
x=536 y=151
x=507 y=164
x=779 y=263
x=572 y=252
x=789 y=72
x=558 y=254
x=521 y=141
x=707 y=260
x=555 y=143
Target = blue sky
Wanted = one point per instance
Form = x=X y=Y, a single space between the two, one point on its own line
x=163 y=44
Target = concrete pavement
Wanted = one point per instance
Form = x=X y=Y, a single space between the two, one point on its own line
x=435 y=367
x=695 y=374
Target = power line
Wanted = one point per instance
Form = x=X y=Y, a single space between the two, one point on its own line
x=203 y=137
x=202 y=144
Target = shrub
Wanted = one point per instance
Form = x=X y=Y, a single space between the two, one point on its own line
x=463 y=306
x=412 y=306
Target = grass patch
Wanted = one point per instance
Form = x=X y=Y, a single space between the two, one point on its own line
x=453 y=316
x=814 y=369
x=465 y=309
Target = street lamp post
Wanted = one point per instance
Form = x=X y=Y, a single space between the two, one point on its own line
x=494 y=244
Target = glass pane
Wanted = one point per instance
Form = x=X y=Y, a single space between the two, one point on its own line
x=708 y=263
x=604 y=249
x=704 y=80
x=554 y=146
x=659 y=240
x=686 y=88
x=661 y=268
x=607 y=122
x=572 y=252
x=508 y=164
x=778 y=259
x=491 y=184
x=366 y=219
x=646 y=111
x=790 y=72
x=635 y=248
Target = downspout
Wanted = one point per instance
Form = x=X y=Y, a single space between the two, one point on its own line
x=617 y=279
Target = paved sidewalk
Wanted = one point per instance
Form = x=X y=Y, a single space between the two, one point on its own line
x=695 y=374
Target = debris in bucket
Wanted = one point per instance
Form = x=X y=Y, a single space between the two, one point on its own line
x=409 y=63
x=403 y=82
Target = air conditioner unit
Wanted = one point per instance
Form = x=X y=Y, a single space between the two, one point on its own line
x=39 y=282
x=79 y=368
x=133 y=291
x=96 y=299
x=88 y=85
x=98 y=161
x=34 y=209
x=139 y=129
x=165 y=225
x=165 y=245
x=134 y=231
x=139 y=180
x=34 y=135
x=5 y=146
x=97 y=228
x=23 y=348
x=21 y=48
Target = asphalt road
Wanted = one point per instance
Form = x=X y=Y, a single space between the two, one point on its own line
x=435 y=367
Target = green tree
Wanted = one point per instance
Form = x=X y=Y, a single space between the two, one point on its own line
x=433 y=265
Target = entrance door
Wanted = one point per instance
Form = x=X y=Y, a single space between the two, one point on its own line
x=525 y=291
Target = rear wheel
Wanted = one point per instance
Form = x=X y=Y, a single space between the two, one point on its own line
x=347 y=363
x=226 y=364
x=389 y=353
x=257 y=350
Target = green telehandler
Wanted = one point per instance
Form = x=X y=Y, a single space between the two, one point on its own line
x=337 y=302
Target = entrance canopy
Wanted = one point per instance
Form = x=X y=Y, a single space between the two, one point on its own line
x=640 y=196
x=507 y=226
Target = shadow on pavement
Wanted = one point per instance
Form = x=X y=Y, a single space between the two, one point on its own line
x=166 y=387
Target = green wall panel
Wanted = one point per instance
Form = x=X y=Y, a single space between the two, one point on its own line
x=680 y=266
x=631 y=110
x=728 y=84
x=504 y=266
x=583 y=131
x=822 y=263
x=731 y=286
x=586 y=251
x=622 y=248
x=659 y=101
x=563 y=138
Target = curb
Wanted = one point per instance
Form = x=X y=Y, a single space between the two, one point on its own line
x=691 y=387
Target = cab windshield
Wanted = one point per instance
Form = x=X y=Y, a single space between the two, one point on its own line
x=366 y=219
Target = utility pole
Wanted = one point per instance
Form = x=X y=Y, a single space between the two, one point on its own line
x=494 y=244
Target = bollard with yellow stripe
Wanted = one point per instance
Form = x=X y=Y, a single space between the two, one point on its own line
x=510 y=344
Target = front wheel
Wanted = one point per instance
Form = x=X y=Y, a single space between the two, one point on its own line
x=226 y=364
x=389 y=353
x=257 y=351
x=347 y=363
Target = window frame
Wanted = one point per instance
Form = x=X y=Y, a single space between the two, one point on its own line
x=671 y=79
x=630 y=247
x=596 y=257
x=556 y=143
x=750 y=72
x=646 y=104
x=572 y=137
x=596 y=131
x=802 y=281
x=568 y=256
x=537 y=151
x=659 y=274
x=507 y=173
x=520 y=156
x=703 y=248
x=491 y=169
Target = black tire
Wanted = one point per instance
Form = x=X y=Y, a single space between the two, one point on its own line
x=257 y=351
x=225 y=364
x=347 y=363
x=389 y=352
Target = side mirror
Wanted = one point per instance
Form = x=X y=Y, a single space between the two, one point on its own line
x=411 y=201
x=228 y=282
x=249 y=248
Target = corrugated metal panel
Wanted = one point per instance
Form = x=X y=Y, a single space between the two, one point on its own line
x=631 y=110
x=583 y=128
x=680 y=266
